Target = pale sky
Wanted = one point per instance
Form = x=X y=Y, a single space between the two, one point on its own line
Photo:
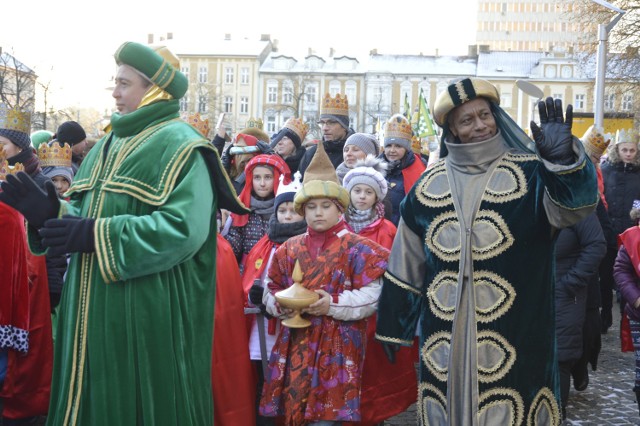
x=70 y=43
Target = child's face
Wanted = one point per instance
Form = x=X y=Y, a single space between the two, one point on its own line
x=262 y=181
x=61 y=184
x=286 y=213
x=363 y=197
x=321 y=214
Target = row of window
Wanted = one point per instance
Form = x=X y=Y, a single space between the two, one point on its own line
x=203 y=102
x=529 y=26
x=229 y=74
x=523 y=7
x=308 y=90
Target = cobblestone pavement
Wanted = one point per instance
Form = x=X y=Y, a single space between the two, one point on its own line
x=609 y=399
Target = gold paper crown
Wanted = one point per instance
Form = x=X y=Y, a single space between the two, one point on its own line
x=255 y=123
x=398 y=127
x=595 y=142
x=14 y=119
x=335 y=106
x=298 y=126
x=624 y=136
x=5 y=168
x=201 y=125
x=54 y=155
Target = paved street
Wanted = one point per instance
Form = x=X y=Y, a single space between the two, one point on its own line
x=609 y=399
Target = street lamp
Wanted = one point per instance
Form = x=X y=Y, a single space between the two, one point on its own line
x=603 y=35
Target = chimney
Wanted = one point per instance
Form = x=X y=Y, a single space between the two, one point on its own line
x=227 y=36
x=373 y=52
x=473 y=50
x=437 y=52
x=484 y=48
x=149 y=38
x=265 y=37
x=309 y=52
x=274 y=45
x=331 y=52
x=169 y=36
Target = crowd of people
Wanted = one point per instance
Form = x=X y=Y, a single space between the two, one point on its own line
x=140 y=279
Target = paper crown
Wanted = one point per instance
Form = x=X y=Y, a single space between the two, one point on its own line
x=253 y=122
x=54 y=155
x=626 y=135
x=14 y=119
x=298 y=126
x=335 y=106
x=595 y=141
x=5 y=168
x=398 y=127
x=201 y=125
x=292 y=186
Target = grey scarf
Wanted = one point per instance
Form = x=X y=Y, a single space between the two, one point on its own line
x=264 y=208
x=360 y=219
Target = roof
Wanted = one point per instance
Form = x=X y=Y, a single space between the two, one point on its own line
x=422 y=65
x=204 y=46
x=507 y=64
x=11 y=62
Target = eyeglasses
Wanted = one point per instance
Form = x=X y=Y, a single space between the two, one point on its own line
x=322 y=123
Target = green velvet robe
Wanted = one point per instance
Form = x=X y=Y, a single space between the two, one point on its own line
x=472 y=263
x=135 y=327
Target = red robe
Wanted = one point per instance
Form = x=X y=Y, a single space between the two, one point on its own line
x=387 y=389
x=412 y=173
x=26 y=387
x=232 y=376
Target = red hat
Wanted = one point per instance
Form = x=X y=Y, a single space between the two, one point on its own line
x=279 y=168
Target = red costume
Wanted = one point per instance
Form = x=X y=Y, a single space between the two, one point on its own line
x=24 y=305
x=232 y=376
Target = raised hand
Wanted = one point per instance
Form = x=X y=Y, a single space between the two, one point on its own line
x=553 y=138
x=23 y=194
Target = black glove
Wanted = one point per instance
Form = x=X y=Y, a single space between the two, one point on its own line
x=226 y=157
x=390 y=350
x=23 y=194
x=70 y=234
x=264 y=148
x=255 y=294
x=554 y=139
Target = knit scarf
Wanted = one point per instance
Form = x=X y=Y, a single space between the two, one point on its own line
x=360 y=219
x=262 y=207
x=342 y=170
x=28 y=159
x=281 y=232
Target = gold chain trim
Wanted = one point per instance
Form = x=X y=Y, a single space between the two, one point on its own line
x=497 y=397
x=401 y=284
x=544 y=400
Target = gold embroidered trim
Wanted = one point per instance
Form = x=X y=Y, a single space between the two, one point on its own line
x=434 y=190
x=575 y=169
x=488 y=374
x=504 y=238
x=401 y=284
x=429 y=392
x=447 y=221
x=521 y=157
x=507 y=183
x=436 y=342
x=546 y=190
x=502 y=396
x=501 y=304
x=544 y=400
x=438 y=307
x=393 y=340
x=105 y=255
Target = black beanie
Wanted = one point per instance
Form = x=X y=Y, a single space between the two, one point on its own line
x=285 y=131
x=71 y=133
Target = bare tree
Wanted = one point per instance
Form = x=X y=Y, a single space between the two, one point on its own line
x=17 y=83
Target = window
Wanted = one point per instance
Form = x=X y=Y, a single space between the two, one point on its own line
x=185 y=71
x=609 y=101
x=334 y=88
x=202 y=74
x=228 y=75
x=271 y=124
x=203 y=101
x=244 y=75
x=557 y=96
x=311 y=92
x=287 y=92
x=272 y=91
x=228 y=104
x=505 y=100
x=627 y=102
x=244 y=104
x=350 y=91
x=578 y=103
x=184 y=104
